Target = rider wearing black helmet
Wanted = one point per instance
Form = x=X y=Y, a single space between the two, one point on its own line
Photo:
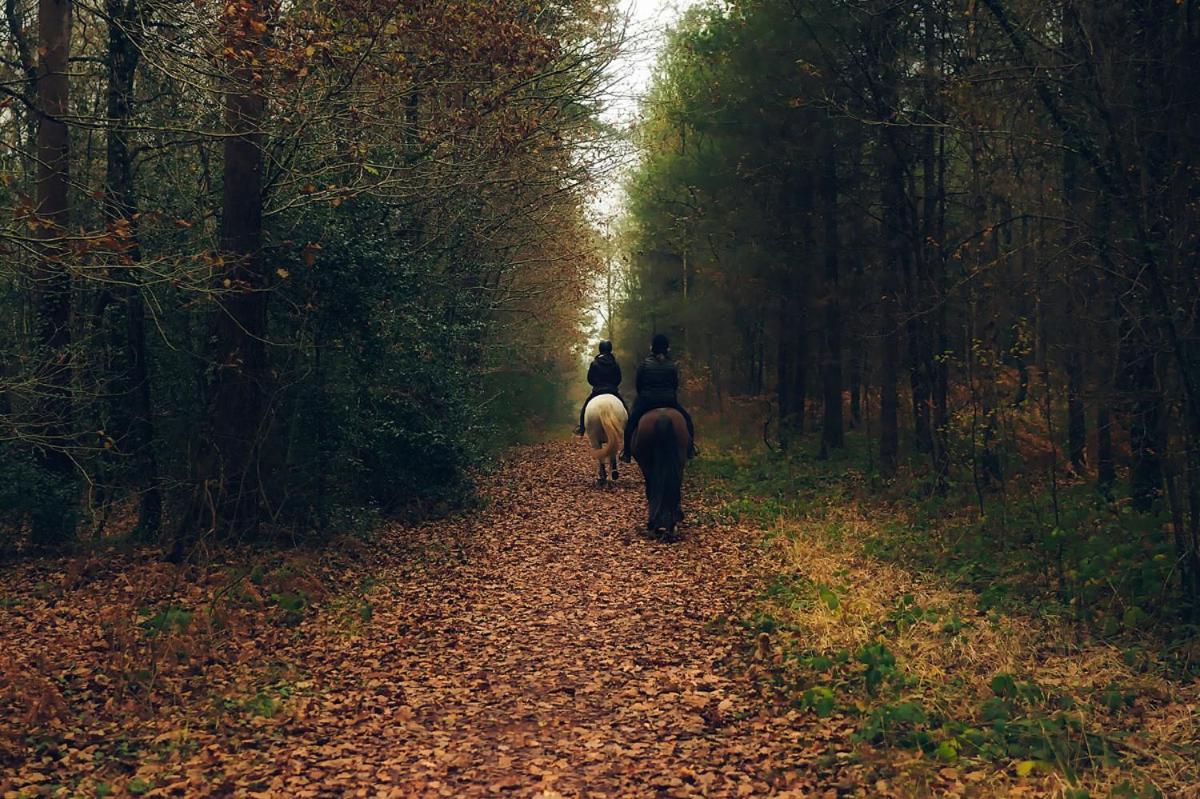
x=657 y=387
x=604 y=376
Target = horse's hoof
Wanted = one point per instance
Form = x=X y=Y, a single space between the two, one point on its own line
x=601 y=483
x=615 y=475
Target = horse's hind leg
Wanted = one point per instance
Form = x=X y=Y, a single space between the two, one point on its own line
x=613 y=465
x=603 y=481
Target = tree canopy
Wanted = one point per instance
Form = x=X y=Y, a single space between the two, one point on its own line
x=982 y=212
x=268 y=263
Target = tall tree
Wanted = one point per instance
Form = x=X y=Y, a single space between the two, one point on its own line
x=894 y=260
x=832 y=429
x=120 y=208
x=53 y=278
x=237 y=414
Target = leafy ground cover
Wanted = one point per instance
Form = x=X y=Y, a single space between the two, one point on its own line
x=964 y=668
x=539 y=646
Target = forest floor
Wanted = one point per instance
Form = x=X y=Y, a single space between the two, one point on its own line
x=538 y=646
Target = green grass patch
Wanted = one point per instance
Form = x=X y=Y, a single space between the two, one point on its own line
x=1064 y=579
x=1075 y=555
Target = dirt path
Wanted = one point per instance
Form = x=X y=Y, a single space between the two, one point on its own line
x=541 y=647
x=566 y=655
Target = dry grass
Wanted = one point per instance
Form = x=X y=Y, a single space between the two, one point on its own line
x=1156 y=736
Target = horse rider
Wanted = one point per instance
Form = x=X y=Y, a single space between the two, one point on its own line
x=657 y=387
x=604 y=376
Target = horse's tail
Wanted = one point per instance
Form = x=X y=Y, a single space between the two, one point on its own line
x=614 y=434
x=666 y=474
x=614 y=431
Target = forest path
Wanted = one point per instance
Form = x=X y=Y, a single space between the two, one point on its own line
x=554 y=652
x=539 y=646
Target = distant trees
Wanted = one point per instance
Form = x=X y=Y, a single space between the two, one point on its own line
x=982 y=212
x=255 y=253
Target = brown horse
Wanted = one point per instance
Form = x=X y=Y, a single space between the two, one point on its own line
x=660 y=446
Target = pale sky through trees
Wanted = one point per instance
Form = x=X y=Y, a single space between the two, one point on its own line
x=630 y=77
x=648 y=21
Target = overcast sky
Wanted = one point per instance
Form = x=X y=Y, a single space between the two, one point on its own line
x=630 y=77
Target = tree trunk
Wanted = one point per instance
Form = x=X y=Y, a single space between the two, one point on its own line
x=1076 y=423
x=799 y=374
x=1076 y=413
x=933 y=168
x=892 y=258
x=120 y=209
x=783 y=372
x=918 y=375
x=1145 y=433
x=832 y=433
x=1106 y=470
x=238 y=406
x=53 y=281
x=856 y=366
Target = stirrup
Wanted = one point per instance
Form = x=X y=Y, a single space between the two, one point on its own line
x=625 y=457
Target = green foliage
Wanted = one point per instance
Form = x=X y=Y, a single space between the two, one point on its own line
x=728 y=138
x=265 y=703
x=819 y=699
x=1100 y=564
x=1022 y=722
x=903 y=723
x=387 y=412
x=790 y=590
x=35 y=499
x=908 y=613
x=293 y=604
x=1127 y=790
x=168 y=619
x=829 y=597
x=411 y=306
x=879 y=664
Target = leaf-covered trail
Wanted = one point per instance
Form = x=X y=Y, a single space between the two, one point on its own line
x=562 y=653
x=540 y=646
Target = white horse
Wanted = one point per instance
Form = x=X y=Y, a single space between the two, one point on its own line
x=604 y=422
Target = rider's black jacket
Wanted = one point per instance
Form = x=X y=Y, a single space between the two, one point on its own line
x=657 y=380
x=605 y=372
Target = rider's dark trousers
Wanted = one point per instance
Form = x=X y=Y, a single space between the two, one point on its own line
x=642 y=407
x=596 y=392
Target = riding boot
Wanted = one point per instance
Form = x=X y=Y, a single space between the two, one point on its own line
x=631 y=424
x=582 y=411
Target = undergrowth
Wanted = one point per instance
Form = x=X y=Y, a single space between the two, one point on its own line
x=1031 y=646
x=1077 y=555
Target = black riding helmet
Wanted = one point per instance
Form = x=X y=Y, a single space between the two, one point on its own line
x=660 y=345
x=605 y=347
